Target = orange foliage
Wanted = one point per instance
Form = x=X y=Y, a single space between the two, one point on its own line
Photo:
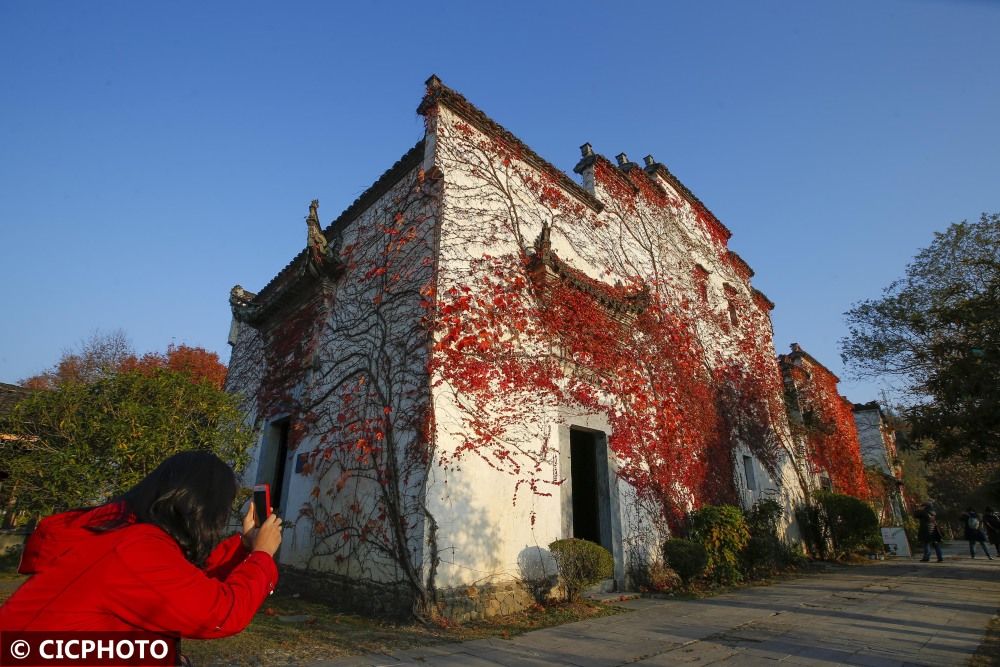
x=199 y=363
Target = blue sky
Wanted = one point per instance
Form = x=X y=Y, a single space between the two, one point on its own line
x=154 y=154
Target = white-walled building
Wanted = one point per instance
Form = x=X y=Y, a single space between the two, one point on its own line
x=482 y=355
x=878 y=450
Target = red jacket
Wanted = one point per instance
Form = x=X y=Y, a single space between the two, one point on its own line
x=133 y=578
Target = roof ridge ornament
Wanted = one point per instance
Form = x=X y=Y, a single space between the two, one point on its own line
x=315 y=239
x=543 y=244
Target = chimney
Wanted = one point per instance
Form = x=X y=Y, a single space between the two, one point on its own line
x=796 y=347
x=649 y=160
x=586 y=150
x=622 y=159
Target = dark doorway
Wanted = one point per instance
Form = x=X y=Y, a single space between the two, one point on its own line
x=274 y=456
x=586 y=485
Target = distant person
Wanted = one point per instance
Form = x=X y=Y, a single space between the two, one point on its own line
x=974 y=532
x=992 y=522
x=151 y=560
x=929 y=534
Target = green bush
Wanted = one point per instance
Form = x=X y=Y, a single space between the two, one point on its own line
x=650 y=573
x=581 y=563
x=851 y=523
x=765 y=551
x=811 y=527
x=722 y=530
x=685 y=557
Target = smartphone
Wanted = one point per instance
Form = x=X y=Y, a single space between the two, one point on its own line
x=261 y=502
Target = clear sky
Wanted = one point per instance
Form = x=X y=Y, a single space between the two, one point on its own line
x=154 y=154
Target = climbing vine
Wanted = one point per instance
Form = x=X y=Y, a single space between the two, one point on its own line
x=828 y=429
x=345 y=362
x=523 y=334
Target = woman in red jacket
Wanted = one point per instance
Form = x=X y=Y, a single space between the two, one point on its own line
x=151 y=560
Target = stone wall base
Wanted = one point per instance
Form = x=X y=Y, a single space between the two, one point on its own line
x=459 y=604
x=470 y=603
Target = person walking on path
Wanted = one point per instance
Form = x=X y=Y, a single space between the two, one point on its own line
x=929 y=533
x=974 y=532
x=992 y=522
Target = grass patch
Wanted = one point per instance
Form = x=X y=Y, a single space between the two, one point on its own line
x=288 y=630
x=988 y=653
x=9 y=560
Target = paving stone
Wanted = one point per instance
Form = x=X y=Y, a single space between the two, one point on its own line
x=886 y=614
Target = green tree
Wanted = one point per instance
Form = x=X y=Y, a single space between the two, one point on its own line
x=957 y=483
x=938 y=331
x=82 y=443
x=915 y=476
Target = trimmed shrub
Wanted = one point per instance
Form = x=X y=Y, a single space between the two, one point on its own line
x=581 y=563
x=765 y=552
x=722 y=530
x=811 y=526
x=851 y=523
x=685 y=557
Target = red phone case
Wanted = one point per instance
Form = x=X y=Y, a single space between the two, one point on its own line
x=262 y=501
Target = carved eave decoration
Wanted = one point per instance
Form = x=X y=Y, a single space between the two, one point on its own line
x=319 y=264
x=305 y=276
x=543 y=263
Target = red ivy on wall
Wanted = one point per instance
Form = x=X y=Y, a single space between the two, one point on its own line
x=524 y=336
x=831 y=435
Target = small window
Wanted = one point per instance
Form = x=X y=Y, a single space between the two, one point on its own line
x=701 y=282
x=751 y=479
x=731 y=300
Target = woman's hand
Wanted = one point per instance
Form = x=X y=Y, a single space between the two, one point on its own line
x=249 y=526
x=268 y=536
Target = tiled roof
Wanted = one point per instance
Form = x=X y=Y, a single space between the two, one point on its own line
x=294 y=270
x=661 y=170
x=757 y=294
x=740 y=264
x=798 y=353
x=10 y=395
x=438 y=93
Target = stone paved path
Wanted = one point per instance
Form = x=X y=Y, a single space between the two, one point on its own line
x=893 y=613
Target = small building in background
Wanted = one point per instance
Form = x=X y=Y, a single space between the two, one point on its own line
x=878 y=451
x=823 y=421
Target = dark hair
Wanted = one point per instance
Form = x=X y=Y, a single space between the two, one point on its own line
x=189 y=496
